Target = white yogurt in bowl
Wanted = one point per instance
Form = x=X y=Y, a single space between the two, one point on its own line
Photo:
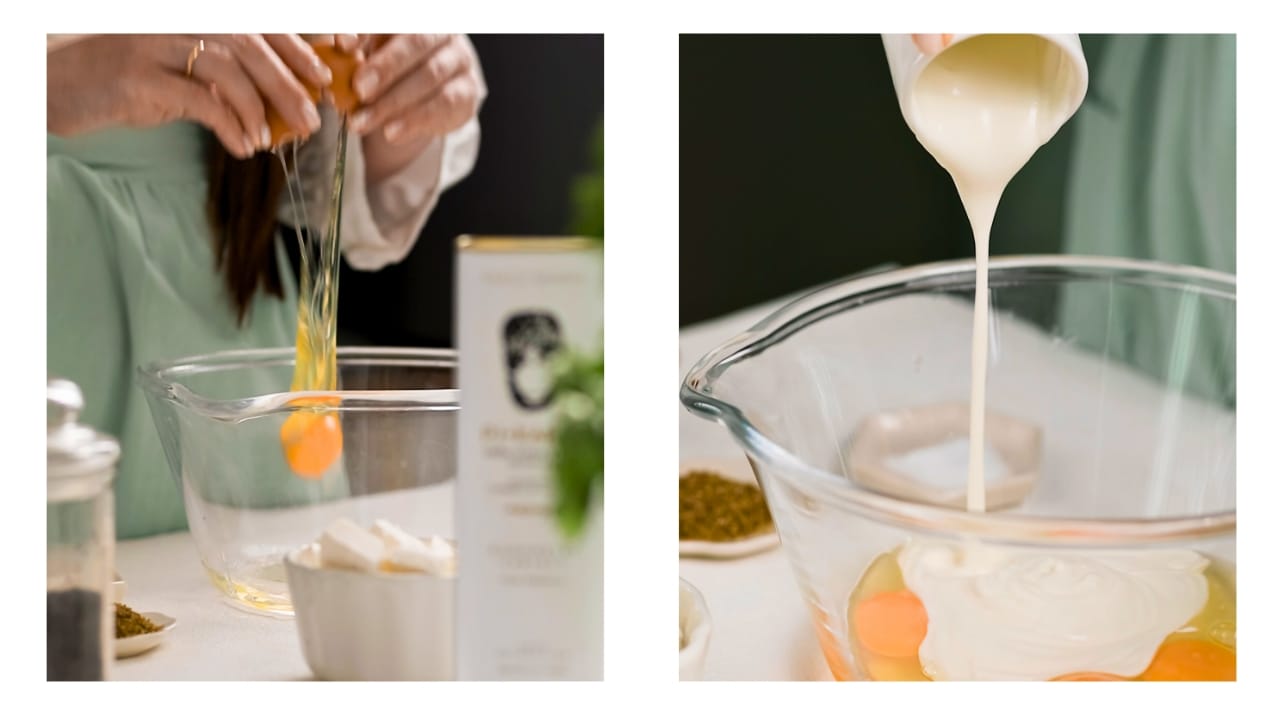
x=999 y=613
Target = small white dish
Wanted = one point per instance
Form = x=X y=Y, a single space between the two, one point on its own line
x=738 y=471
x=695 y=632
x=729 y=550
x=885 y=436
x=371 y=626
x=138 y=644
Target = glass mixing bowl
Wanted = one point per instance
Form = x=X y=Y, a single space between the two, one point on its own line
x=219 y=417
x=1111 y=426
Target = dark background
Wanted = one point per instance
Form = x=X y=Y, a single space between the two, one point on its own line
x=796 y=168
x=546 y=98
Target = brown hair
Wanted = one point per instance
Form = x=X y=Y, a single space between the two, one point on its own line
x=243 y=197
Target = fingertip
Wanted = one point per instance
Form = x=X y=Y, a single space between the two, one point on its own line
x=238 y=148
x=311 y=116
x=321 y=73
x=930 y=44
x=347 y=43
x=360 y=122
x=365 y=82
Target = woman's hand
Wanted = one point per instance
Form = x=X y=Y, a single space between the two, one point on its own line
x=931 y=44
x=414 y=86
x=143 y=80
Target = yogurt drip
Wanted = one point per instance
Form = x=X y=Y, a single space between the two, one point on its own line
x=982 y=108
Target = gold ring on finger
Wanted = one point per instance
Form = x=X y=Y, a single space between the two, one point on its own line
x=194 y=55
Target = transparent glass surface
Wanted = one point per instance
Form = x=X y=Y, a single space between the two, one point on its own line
x=1111 y=397
x=80 y=616
x=220 y=420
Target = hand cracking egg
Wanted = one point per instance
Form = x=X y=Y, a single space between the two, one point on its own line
x=340 y=93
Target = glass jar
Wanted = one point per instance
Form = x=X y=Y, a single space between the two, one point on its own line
x=81 y=540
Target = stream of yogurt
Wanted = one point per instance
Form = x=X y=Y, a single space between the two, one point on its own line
x=982 y=108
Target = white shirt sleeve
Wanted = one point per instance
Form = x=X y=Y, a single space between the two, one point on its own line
x=380 y=222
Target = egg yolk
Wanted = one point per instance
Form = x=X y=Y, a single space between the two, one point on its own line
x=312 y=442
x=343 y=65
x=891 y=624
x=312 y=436
x=1192 y=660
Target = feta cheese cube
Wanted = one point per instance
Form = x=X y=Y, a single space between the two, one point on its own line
x=345 y=544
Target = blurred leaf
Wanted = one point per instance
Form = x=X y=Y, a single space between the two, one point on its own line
x=578 y=437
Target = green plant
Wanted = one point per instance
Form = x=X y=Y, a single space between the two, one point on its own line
x=578 y=435
x=578 y=455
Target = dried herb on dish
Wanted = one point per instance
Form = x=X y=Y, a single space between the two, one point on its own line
x=129 y=622
x=717 y=509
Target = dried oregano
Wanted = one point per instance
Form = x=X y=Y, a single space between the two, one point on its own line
x=716 y=508
x=129 y=622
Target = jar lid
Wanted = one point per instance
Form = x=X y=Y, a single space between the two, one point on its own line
x=75 y=450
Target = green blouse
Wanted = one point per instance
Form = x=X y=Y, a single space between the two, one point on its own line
x=1152 y=175
x=131 y=280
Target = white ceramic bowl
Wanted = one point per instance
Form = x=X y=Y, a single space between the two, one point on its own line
x=371 y=626
x=883 y=435
x=695 y=631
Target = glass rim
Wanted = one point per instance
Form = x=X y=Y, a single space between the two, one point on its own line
x=697 y=395
x=165 y=379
